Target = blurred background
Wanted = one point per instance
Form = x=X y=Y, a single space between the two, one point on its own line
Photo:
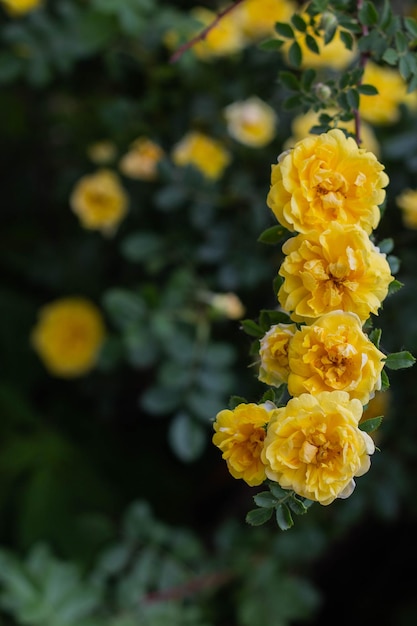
x=135 y=192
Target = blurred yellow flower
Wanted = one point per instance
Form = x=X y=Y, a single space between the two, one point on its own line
x=20 y=7
x=334 y=354
x=407 y=201
x=68 y=336
x=228 y=304
x=314 y=446
x=99 y=201
x=251 y=122
x=141 y=161
x=302 y=124
x=273 y=352
x=324 y=178
x=204 y=153
x=384 y=107
x=333 y=55
x=223 y=39
x=257 y=18
x=339 y=269
x=102 y=152
x=240 y=436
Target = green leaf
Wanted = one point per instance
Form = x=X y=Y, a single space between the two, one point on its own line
x=298 y=23
x=289 y=80
x=269 y=396
x=353 y=98
x=138 y=247
x=277 y=491
x=399 y=360
x=271 y=44
x=125 y=308
x=187 y=437
x=284 y=517
x=252 y=328
x=159 y=400
x=284 y=30
x=293 y=102
x=375 y=336
x=277 y=282
x=273 y=235
x=411 y=26
x=295 y=55
x=368 y=14
x=297 y=506
x=394 y=286
x=257 y=517
x=368 y=426
x=390 y=56
x=234 y=401
x=270 y=317
x=312 y=44
x=384 y=381
x=367 y=90
x=347 y=39
x=307 y=78
x=265 y=499
x=386 y=245
x=404 y=67
x=401 y=42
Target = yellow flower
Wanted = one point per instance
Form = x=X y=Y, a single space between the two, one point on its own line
x=274 y=367
x=223 y=39
x=68 y=336
x=333 y=55
x=228 y=304
x=102 y=152
x=334 y=354
x=206 y=154
x=99 y=201
x=384 y=107
x=251 y=122
x=324 y=178
x=339 y=269
x=20 y=7
x=407 y=201
x=314 y=446
x=258 y=17
x=142 y=160
x=240 y=436
x=302 y=124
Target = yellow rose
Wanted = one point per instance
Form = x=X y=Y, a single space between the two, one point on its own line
x=302 y=124
x=384 y=107
x=334 y=55
x=314 y=446
x=324 y=178
x=142 y=160
x=339 y=269
x=407 y=201
x=99 y=201
x=334 y=354
x=240 y=436
x=227 y=304
x=68 y=336
x=223 y=39
x=274 y=367
x=20 y=7
x=251 y=122
x=204 y=153
x=102 y=152
x=258 y=17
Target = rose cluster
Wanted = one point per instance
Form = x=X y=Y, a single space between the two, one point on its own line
x=326 y=191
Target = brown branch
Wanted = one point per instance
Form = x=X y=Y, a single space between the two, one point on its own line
x=201 y=36
x=179 y=592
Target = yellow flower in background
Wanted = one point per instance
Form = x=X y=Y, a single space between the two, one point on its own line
x=20 y=7
x=223 y=39
x=334 y=354
x=384 y=107
x=407 y=201
x=141 y=161
x=273 y=352
x=102 y=152
x=99 y=201
x=333 y=55
x=258 y=17
x=204 y=153
x=251 y=122
x=324 y=178
x=68 y=336
x=339 y=269
x=314 y=446
x=240 y=436
x=227 y=304
x=302 y=124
